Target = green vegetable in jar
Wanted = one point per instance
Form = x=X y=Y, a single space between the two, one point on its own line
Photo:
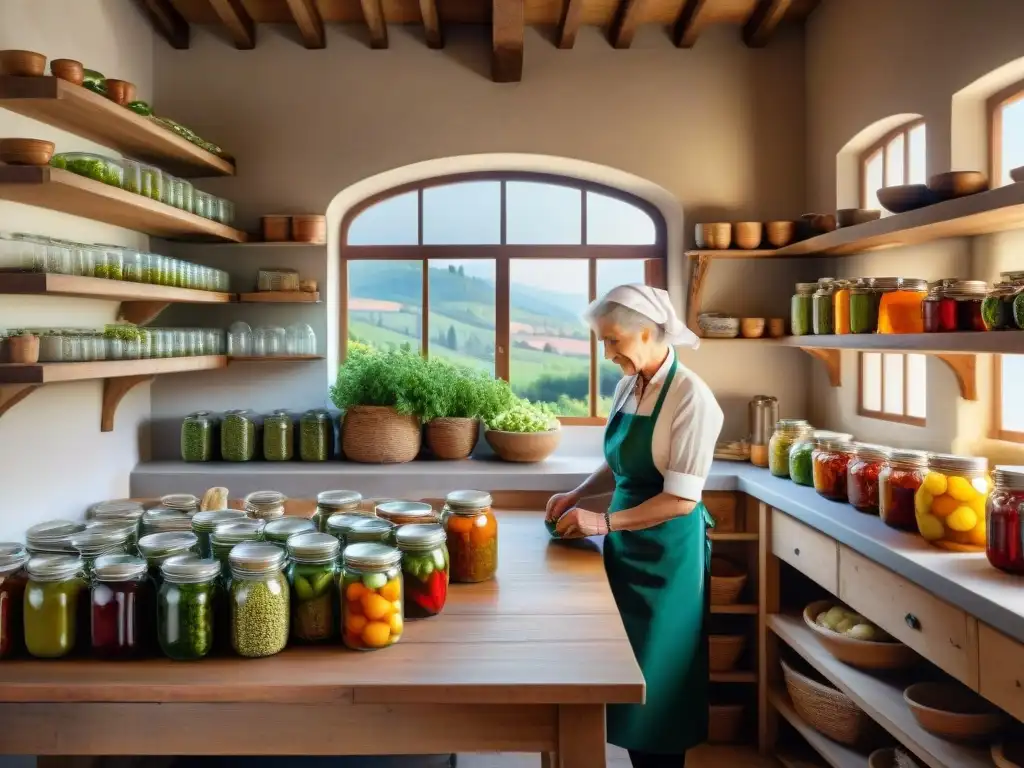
x=259 y=615
x=801 y=470
x=316 y=436
x=91 y=76
x=278 y=437
x=1018 y=310
x=237 y=437
x=197 y=438
x=51 y=619
x=185 y=614
x=314 y=601
x=140 y=108
x=863 y=310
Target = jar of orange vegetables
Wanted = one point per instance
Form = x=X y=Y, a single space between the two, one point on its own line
x=900 y=310
x=472 y=533
x=841 y=306
x=950 y=504
x=372 y=592
x=830 y=461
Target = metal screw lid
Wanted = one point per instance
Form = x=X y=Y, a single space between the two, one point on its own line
x=189 y=569
x=887 y=283
x=116 y=509
x=806 y=289
x=792 y=426
x=341 y=523
x=207 y=522
x=252 y=558
x=468 y=502
x=53 y=536
x=913 y=284
x=1010 y=478
x=159 y=545
x=12 y=556
x=370 y=556
x=404 y=509
x=265 y=504
x=54 y=567
x=182 y=502
x=871 y=452
x=241 y=530
x=420 y=536
x=97 y=541
x=313 y=548
x=908 y=459
x=371 y=525
x=122 y=567
x=835 y=446
x=339 y=499
x=162 y=519
x=948 y=462
x=967 y=289
x=280 y=529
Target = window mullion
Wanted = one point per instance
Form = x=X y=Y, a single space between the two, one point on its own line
x=425 y=311
x=594 y=385
x=502 y=318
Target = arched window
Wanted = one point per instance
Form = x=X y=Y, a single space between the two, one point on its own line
x=493 y=271
x=899 y=157
x=1006 y=136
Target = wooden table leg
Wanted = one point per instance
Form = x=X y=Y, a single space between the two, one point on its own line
x=581 y=738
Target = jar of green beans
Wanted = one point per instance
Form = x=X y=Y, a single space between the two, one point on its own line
x=260 y=608
x=278 y=436
x=238 y=436
x=316 y=436
x=198 y=436
x=186 y=605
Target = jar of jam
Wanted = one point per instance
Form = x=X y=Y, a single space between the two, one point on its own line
x=1005 y=534
x=122 y=607
x=472 y=531
x=830 y=461
x=13 y=578
x=862 y=477
x=864 y=307
x=997 y=307
x=841 y=307
x=801 y=310
x=822 y=321
x=969 y=295
x=938 y=310
x=332 y=502
x=801 y=470
x=898 y=482
x=787 y=431
x=899 y=311
x=950 y=504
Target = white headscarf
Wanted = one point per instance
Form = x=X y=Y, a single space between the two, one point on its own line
x=654 y=304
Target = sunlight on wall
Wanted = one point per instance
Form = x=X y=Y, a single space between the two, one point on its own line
x=848 y=158
x=969 y=127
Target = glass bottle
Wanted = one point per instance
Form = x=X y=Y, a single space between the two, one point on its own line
x=786 y=432
x=238 y=436
x=329 y=503
x=371 y=611
x=900 y=311
x=316 y=436
x=121 y=606
x=265 y=505
x=205 y=523
x=56 y=608
x=472 y=531
x=822 y=321
x=801 y=310
x=157 y=548
x=862 y=477
x=13 y=579
x=841 y=307
x=830 y=461
x=313 y=580
x=950 y=503
x=198 y=436
x=278 y=436
x=425 y=566
x=260 y=607
x=186 y=607
x=898 y=482
x=1005 y=535
x=279 y=530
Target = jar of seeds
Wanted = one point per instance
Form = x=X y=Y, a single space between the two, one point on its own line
x=259 y=600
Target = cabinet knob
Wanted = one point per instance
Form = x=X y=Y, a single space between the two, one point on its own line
x=912 y=621
x=796 y=551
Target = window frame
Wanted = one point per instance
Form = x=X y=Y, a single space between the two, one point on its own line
x=882 y=146
x=996 y=432
x=654 y=258
x=883 y=415
x=995 y=106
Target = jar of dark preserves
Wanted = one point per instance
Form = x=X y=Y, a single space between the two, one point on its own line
x=13 y=558
x=122 y=607
x=898 y=482
x=862 y=477
x=968 y=296
x=939 y=308
x=1004 y=532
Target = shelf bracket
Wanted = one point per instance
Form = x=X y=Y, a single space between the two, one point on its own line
x=12 y=394
x=141 y=312
x=114 y=391
x=964 y=367
x=699 y=265
x=833 y=360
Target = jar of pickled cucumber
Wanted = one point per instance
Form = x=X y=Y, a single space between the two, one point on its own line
x=370 y=529
x=401 y=513
x=238 y=436
x=198 y=436
x=280 y=529
x=425 y=567
x=205 y=523
x=186 y=607
x=278 y=436
x=822 y=321
x=158 y=547
x=56 y=606
x=313 y=577
x=801 y=310
x=950 y=504
x=316 y=436
x=372 y=590
x=787 y=431
x=122 y=604
x=265 y=505
x=13 y=579
x=472 y=531
x=259 y=598
x=329 y=503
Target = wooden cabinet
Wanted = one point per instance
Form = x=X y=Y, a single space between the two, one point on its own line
x=723 y=506
x=1001 y=670
x=813 y=554
x=944 y=635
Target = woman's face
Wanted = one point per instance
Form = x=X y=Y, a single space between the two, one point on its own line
x=626 y=348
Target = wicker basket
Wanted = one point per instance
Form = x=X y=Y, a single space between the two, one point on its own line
x=523 y=446
x=863 y=654
x=725 y=723
x=452 y=438
x=829 y=711
x=724 y=651
x=727 y=581
x=378 y=435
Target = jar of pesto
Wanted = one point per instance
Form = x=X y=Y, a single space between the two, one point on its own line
x=801 y=311
x=787 y=431
x=329 y=503
x=822 y=319
x=863 y=307
x=186 y=606
x=56 y=606
x=259 y=599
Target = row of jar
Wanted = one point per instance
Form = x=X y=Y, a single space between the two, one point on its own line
x=951 y=501
x=35 y=253
x=907 y=305
x=270 y=341
x=241 y=435
x=148 y=181
x=120 y=342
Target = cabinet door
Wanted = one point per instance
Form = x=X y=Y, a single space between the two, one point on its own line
x=1002 y=670
x=812 y=553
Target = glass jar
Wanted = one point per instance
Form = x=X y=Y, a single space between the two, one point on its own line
x=339 y=525
x=186 y=607
x=968 y=297
x=300 y=339
x=133 y=266
x=268 y=342
x=997 y=307
x=313 y=579
x=278 y=531
x=900 y=311
x=109 y=539
x=265 y=505
x=198 y=436
x=368 y=530
x=316 y=436
x=371 y=612
x=205 y=523
x=52 y=537
x=801 y=469
x=227 y=534
x=13 y=579
x=864 y=307
x=119 y=511
x=329 y=503
x=238 y=436
x=277 y=279
x=424 y=568
x=841 y=307
x=406 y=512
x=260 y=607
x=938 y=310
x=950 y=504
x=157 y=548
x=1005 y=535
x=862 y=477
x=121 y=607
x=163 y=520
x=181 y=502
x=898 y=482
x=472 y=533
x=830 y=461
x=56 y=606
x=239 y=340
x=278 y=436
x=800 y=309
x=786 y=432
x=822 y=321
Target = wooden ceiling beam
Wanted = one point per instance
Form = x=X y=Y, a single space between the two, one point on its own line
x=572 y=14
x=373 y=12
x=507 y=32
x=233 y=15
x=763 y=22
x=690 y=23
x=431 y=24
x=308 y=20
x=624 y=26
x=167 y=21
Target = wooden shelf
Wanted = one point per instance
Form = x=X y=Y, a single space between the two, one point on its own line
x=738 y=676
x=882 y=699
x=60 y=190
x=732 y=536
x=835 y=754
x=275 y=359
x=79 y=111
x=280 y=297
x=736 y=609
x=735 y=253
x=41 y=284
x=978 y=342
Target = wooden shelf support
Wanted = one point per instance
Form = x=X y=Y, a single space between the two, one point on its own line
x=833 y=360
x=12 y=394
x=699 y=264
x=141 y=312
x=114 y=391
x=964 y=367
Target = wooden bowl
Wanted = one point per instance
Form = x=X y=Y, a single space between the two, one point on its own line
x=121 y=92
x=863 y=654
x=777 y=327
x=523 y=447
x=947 y=186
x=752 y=327
x=953 y=711
x=819 y=222
x=25 y=151
x=780 y=233
x=851 y=217
x=715 y=237
x=905 y=197
x=68 y=69
x=747 y=234
x=22 y=63
x=882 y=758
x=1017 y=174
x=309 y=229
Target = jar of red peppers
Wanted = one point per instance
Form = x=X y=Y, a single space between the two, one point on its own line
x=472 y=535
x=830 y=461
x=938 y=310
x=1004 y=531
x=862 y=477
x=122 y=607
x=425 y=568
x=898 y=481
x=13 y=578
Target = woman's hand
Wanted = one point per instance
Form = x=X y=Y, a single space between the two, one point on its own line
x=559 y=504
x=579 y=522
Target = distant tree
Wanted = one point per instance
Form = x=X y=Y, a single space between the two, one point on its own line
x=451 y=269
x=550 y=349
x=453 y=342
x=380 y=321
x=462 y=271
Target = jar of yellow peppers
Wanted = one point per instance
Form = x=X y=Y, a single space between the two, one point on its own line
x=950 y=503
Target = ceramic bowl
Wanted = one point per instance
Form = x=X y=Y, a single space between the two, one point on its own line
x=752 y=327
x=715 y=236
x=953 y=711
x=851 y=217
x=68 y=69
x=22 y=63
x=905 y=197
x=25 y=151
x=718 y=326
x=947 y=186
x=780 y=233
x=747 y=234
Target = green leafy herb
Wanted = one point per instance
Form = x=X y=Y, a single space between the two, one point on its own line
x=524 y=416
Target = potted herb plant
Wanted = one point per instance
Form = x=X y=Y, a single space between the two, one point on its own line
x=525 y=432
x=24 y=348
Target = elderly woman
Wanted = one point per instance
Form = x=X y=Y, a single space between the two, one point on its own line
x=658 y=448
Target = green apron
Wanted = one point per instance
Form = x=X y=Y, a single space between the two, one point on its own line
x=659 y=577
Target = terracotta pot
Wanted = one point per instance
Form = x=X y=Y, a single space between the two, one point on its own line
x=747 y=234
x=121 y=92
x=25 y=151
x=776 y=327
x=374 y=434
x=780 y=233
x=22 y=63
x=24 y=349
x=68 y=69
x=452 y=438
x=525 y=447
x=309 y=229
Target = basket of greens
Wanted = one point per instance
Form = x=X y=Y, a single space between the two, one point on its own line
x=525 y=432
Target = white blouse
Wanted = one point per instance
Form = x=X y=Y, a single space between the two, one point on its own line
x=687 y=427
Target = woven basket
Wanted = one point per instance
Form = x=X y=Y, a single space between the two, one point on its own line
x=523 y=446
x=725 y=723
x=727 y=581
x=452 y=438
x=829 y=711
x=724 y=651
x=378 y=435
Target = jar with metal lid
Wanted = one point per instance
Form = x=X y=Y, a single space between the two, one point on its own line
x=238 y=436
x=163 y=520
x=56 y=606
x=265 y=505
x=279 y=530
x=185 y=503
x=864 y=306
x=862 y=476
x=950 y=504
x=787 y=431
x=801 y=470
x=205 y=523
x=127 y=529
x=316 y=436
x=822 y=321
x=1005 y=534
x=186 y=607
x=332 y=502
x=96 y=542
x=278 y=436
x=938 y=310
x=277 y=279
x=899 y=310
x=227 y=534
x=968 y=297
x=801 y=309
x=158 y=547
x=340 y=524
x=425 y=566
x=259 y=597
x=841 y=307
x=472 y=531
x=119 y=510
x=898 y=482
x=122 y=602
x=13 y=579
x=198 y=436
x=406 y=512
x=997 y=307
x=830 y=461
x=368 y=529
x=371 y=584
x=313 y=578
x=52 y=537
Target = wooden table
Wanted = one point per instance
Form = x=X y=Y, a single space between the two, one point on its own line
x=524 y=663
